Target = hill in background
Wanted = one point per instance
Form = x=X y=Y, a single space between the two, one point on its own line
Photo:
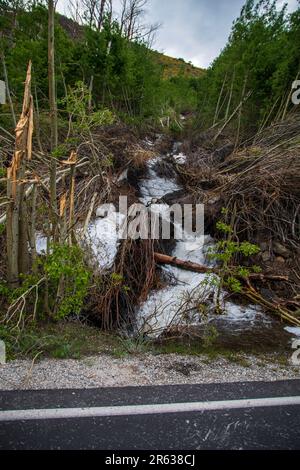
x=177 y=67
x=172 y=67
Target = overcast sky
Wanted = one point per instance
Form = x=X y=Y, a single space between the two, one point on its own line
x=195 y=30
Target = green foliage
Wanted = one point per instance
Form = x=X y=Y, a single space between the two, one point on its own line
x=263 y=51
x=248 y=249
x=134 y=345
x=225 y=250
x=4 y=290
x=126 y=76
x=77 y=104
x=224 y=227
x=67 y=275
x=210 y=336
x=224 y=253
x=118 y=280
x=63 y=340
x=28 y=281
x=62 y=275
x=60 y=151
x=234 y=285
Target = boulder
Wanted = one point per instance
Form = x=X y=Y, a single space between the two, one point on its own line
x=222 y=153
x=214 y=200
x=265 y=256
x=264 y=246
x=281 y=250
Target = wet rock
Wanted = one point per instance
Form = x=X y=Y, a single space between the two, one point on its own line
x=208 y=184
x=187 y=199
x=174 y=197
x=264 y=246
x=265 y=256
x=164 y=169
x=224 y=152
x=280 y=250
x=184 y=368
x=214 y=200
x=134 y=175
x=268 y=294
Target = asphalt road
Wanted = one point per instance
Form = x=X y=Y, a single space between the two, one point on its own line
x=223 y=416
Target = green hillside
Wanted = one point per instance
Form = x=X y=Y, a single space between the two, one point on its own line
x=178 y=67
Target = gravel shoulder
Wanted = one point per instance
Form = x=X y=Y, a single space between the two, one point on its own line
x=147 y=369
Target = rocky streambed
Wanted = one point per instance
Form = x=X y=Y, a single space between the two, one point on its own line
x=186 y=299
x=181 y=302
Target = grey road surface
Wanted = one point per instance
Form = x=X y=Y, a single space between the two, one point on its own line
x=260 y=416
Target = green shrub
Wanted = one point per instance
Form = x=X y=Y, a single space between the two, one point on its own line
x=68 y=279
x=224 y=253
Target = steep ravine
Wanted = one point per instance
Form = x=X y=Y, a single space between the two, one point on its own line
x=177 y=304
x=186 y=290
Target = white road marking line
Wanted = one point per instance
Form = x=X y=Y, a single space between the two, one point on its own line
x=134 y=410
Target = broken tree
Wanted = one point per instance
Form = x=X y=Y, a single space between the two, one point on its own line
x=16 y=226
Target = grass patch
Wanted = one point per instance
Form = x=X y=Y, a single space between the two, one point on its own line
x=74 y=340
x=64 y=340
x=210 y=352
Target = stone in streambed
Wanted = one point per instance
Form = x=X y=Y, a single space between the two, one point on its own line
x=265 y=256
x=280 y=250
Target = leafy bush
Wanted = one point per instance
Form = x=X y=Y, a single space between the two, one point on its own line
x=261 y=57
x=77 y=106
x=224 y=253
x=68 y=279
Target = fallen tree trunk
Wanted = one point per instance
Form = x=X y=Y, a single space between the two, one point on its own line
x=249 y=292
x=187 y=265
x=200 y=268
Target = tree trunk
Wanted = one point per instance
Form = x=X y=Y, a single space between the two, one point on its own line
x=37 y=121
x=230 y=96
x=101 y=15
x=16 y=227
x=32 y=228
x=91 y=94
x=199 y=268
x=187 y=265
x=8 y=91
x=12 y=235
x=73 y=160
x=53 y=108
x=237 y=139
x=219 y=101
